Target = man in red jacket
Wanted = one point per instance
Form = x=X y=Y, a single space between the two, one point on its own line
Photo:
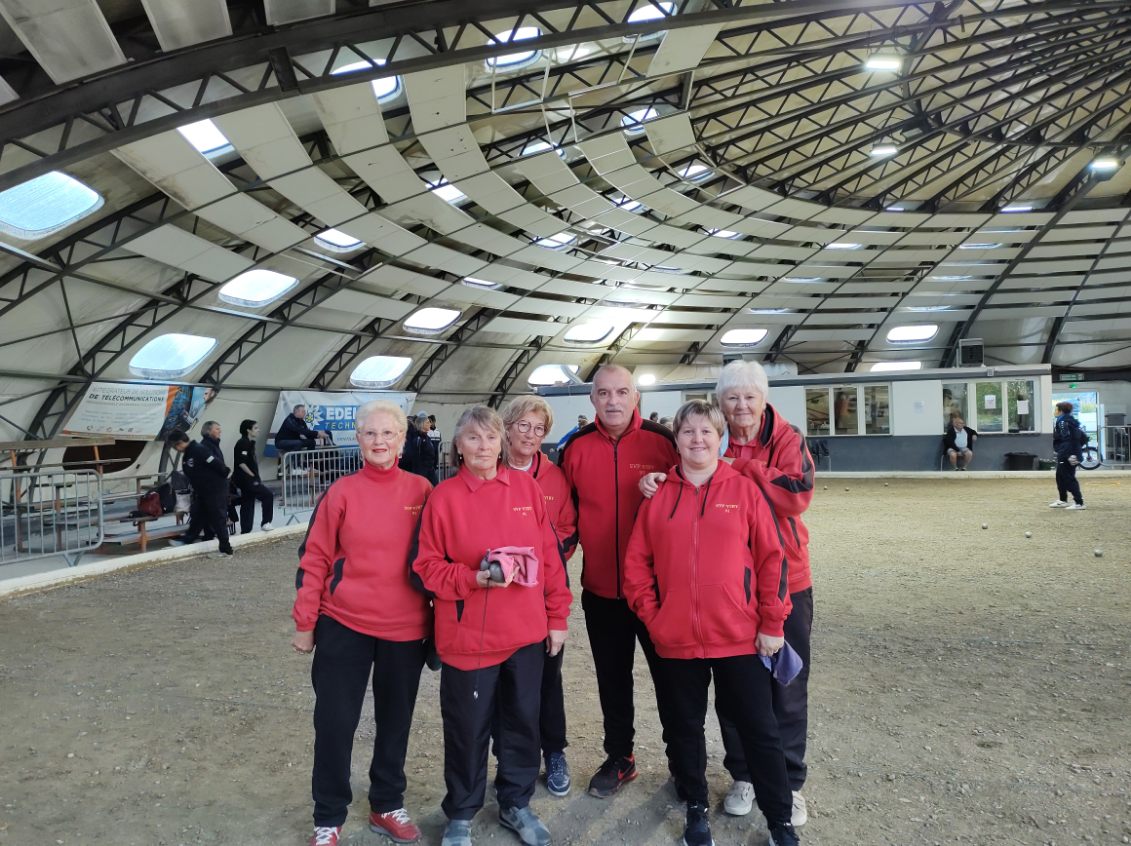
x=603 y=464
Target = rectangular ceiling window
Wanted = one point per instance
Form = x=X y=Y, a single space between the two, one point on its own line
x=912 y=333
x=335 y=239
x=256 y=288
x=552 y=374
x=379 y=371
x=46 y=204
x=743 y=337
x=171 y=356
x=206 y=137
x=431 y=319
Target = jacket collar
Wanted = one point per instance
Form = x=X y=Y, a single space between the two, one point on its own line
x=474 y=483
x=377 y=474
x=633 y=424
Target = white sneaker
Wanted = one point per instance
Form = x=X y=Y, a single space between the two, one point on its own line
x=266 y=527
x=800 y=814
x=1058 y=503
x=740 y=800
x=1077 y=506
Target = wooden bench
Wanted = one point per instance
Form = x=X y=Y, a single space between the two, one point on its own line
x=144 y=534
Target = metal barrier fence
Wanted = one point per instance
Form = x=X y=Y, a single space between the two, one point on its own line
x=308 y=473
x=51 y=512
x=1114 y=443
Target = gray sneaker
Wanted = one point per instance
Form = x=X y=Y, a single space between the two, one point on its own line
x=525 y=823
x=458 y=833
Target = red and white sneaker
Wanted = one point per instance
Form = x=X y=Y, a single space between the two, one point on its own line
x=326 y=835
x=396 y=825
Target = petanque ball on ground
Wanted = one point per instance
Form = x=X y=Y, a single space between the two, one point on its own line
x=846 y=489
x=1028 y=534
x=1099 y=553
x=985 y=525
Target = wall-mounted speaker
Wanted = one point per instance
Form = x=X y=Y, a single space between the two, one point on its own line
x=971 y=353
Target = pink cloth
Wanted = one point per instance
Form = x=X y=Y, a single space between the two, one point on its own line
x=521 y=561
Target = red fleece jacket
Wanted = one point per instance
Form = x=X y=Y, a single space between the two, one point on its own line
x=354 y=562
x=605 y=478
x=559 y=502
x=465 y=517
x=705 y=570
x=778 y=461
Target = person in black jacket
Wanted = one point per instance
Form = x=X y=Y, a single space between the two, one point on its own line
x=958 y=441
x=419 y=455
x=294 y=433
x=203 y=463
x=245 y=472
x=1068 y=441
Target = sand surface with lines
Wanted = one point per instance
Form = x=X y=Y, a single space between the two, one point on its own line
x=969 y=685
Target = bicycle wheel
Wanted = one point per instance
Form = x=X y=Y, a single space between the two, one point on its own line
x=1091 y=458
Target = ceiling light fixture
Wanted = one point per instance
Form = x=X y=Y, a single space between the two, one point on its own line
x=883 y=150
x=886 y=62
x=1105 y=164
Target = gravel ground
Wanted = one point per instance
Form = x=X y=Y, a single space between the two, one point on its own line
x=970 y=686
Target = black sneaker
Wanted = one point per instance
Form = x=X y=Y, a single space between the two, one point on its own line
x=783 y=834
x=611 y=776
x=697 y=832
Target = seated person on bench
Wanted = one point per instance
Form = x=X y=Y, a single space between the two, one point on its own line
x=295 y=434
x=958 y=442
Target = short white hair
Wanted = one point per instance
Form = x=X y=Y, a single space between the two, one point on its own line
x=743 y=374
x=373 y=407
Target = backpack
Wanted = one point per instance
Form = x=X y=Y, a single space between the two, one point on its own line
x=167 y=497
x=1082 y=436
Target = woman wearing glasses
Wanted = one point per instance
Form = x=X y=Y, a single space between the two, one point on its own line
x=527 y=421
x=357 y=611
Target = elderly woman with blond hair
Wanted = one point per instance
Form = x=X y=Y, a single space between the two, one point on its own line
x=358 y=611
x=488 y=555
x=704 y=571
x=766 y=448
x=526 y=422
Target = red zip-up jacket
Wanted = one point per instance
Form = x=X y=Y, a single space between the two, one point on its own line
x=465 y=517
x=778 y=461
x=704 y=569
x=559 y=502
x=604 y=476
x=354 y=561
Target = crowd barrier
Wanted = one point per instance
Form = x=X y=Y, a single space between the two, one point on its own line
x=50 y=513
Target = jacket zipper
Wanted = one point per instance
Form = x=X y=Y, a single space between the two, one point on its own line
x=695 y=569
x=616 y=513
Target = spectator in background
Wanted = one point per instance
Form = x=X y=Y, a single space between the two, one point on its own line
x=958 y=441
x=203 y=464
x=434 y=434
x=582 y=422
x=1067 y=441
x=420 y=451
x=245 y=473
x=654 y=417
x=294 y=433
x=666 y=422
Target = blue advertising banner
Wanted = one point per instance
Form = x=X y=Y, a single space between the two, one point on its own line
x=332 y=412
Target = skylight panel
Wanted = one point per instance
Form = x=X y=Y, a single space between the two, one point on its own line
x=633 y=122
x=889 y=366
x=335 y=239
x=511 y=61
x=431 y=319
x=552 y=374
x=206 y=137
x=472 y=282
x=256 y=288
x=724 y=233
x=171 y=356
x=385 y=88
x=556 y=242
x=379 y=371
x=912 y=332
x=46 y=204
x=743 y=337
x=448 y=193
x=589 y=333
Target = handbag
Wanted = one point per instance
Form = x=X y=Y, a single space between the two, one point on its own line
x=149 y=504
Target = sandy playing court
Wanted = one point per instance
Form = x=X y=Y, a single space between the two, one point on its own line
x=970 y=686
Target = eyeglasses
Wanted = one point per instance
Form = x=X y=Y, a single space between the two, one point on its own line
x=371 y=435
x=525 y=427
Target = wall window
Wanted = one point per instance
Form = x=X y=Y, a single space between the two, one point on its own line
x=992 y=406
x=836 y=410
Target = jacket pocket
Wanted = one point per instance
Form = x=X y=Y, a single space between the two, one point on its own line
x=673 y=624
x=723 y=618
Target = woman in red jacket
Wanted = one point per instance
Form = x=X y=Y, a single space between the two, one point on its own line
x=527 y=420
x=766 y=448
x=492 y=628
x=705 y=573
x=358 y=610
